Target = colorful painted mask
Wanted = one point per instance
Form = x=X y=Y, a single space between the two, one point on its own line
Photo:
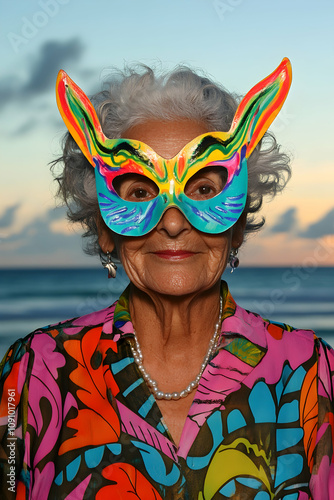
x=227 y=150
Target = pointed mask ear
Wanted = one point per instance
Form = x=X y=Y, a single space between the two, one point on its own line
x=261 y=105
x=80 y=117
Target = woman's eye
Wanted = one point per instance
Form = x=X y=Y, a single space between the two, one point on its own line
x=139 y=193
x=200 y=191
x=206 y=184
x=205 y=190
x=135 y=187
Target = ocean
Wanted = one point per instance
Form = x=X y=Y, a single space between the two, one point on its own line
x=31 y=298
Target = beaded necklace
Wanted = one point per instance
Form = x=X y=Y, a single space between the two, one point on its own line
x=138 y=357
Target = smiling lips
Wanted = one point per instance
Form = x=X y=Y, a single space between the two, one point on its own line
x=174 y=254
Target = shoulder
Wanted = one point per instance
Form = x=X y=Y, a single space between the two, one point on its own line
x=262 y=330
x=238 y=321
x=283 y=353
x=277 y=339
x=53 y=343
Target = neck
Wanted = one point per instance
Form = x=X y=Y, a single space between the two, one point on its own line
x=170 y=322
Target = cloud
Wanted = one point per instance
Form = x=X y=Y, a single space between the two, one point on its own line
x=24 y=128
x=9 y=89
x=7 y=218
x=38 y=238
x=323 y=227
x=46 y=242
x=53 y=55
x=286 y=222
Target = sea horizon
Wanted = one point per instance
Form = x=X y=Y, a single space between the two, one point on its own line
x=33 y=297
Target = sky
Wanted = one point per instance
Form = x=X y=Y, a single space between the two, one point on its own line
x=236 y=42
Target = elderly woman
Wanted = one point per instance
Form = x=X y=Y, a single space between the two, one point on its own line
x=174 y=391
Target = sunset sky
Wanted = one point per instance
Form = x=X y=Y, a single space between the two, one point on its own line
x=236 y=42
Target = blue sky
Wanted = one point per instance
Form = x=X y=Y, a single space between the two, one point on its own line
x=237 y=42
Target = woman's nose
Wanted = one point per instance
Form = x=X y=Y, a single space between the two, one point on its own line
x=173 y=222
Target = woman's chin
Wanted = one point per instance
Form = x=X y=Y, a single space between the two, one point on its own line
x=178 y=284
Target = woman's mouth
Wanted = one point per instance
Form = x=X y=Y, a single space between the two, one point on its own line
x=174 y=254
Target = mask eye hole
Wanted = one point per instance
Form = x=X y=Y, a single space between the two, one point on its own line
x=135 y=187
x=206 y=183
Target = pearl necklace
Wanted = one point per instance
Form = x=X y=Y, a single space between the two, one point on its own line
x=138 y=357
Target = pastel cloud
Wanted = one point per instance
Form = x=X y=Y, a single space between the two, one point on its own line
x=39 y=244
x=52 y=56
x=322 y=227
x=282 y=250
x=46 y=240
x=286 y=222
x=8 y=216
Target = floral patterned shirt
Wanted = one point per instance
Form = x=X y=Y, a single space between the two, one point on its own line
x=78 y=421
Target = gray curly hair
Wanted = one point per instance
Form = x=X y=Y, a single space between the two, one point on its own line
x=136 y=95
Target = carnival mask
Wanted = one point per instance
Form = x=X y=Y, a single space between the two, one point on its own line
x=228 y=151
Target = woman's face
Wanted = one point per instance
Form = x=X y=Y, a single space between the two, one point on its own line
x=174 y=258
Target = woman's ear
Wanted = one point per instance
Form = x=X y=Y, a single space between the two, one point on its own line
x=105 y=236
x=238 y=230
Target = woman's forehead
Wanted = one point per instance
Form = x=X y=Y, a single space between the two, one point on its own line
x=167 y=138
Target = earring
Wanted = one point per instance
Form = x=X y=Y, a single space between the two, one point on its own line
x=233 y=259
x=109 y=264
